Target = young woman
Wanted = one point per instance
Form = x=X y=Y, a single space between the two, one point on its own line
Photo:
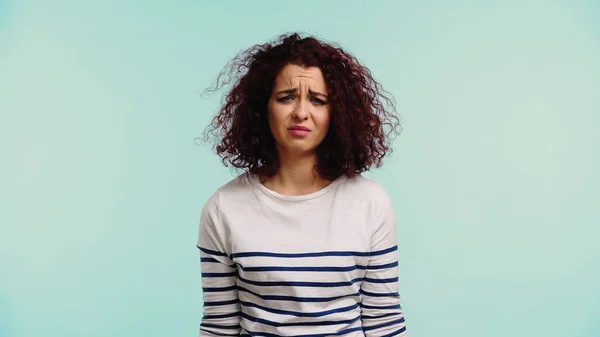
x=300 y=244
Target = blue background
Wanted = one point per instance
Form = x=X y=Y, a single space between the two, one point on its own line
x=494 y=179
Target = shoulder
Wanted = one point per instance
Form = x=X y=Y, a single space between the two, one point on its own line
x=233 y=191
x=364 y=187
x=368 y=193
x=375 y=197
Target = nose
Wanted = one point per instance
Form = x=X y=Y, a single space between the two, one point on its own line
x=301 y=111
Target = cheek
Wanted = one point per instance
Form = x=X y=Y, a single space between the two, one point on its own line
x=323 y=120
x=275 y=112
x=271 y=114
x=276 y=119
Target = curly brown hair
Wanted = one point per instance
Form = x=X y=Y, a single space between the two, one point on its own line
x=361 y=110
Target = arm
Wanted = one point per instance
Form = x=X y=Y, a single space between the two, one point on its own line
x=382 y=315
x=219 y=274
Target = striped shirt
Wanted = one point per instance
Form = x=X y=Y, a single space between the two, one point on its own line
x=320 y=264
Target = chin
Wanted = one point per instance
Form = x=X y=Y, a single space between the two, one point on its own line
x=299 y=150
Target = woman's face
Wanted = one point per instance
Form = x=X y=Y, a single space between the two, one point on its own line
x=298 y=110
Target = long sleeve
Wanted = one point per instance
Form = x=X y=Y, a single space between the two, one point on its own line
x=382 y=314
x=219 y=274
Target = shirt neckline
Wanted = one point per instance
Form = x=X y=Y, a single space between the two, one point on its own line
x=255 y=180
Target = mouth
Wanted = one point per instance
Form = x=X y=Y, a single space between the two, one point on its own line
x=299 y=128
x=299 y=131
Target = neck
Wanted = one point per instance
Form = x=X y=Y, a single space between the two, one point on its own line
x=296 y=176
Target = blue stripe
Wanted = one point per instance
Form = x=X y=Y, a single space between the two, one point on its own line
x=394 y=306
x=215 y=304
x=384 y=251
x=233 y=314
x=296 y=299
x=317 y=269
x=218 y=326
x=298 y=255
x=215 y=290
x=400 y=320
x=300 y=314
x=220 y=333
x=384 y=266
x=219 y=274
x=300 y=283
x=212 y=260
x=397 y=332
x=379 y=294
x=316 y=254
x=212 y=252
x=383 y=280
x=322 y=323
x=367 y=317
x=339 y=333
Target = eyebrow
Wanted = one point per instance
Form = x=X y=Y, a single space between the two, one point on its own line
x=293 y=90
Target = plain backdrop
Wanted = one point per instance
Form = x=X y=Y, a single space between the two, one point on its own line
x=495 y=177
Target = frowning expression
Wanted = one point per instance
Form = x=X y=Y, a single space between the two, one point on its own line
x=298 y=110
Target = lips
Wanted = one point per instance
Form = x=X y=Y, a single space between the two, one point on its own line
x=299 y=128
x=299 y=131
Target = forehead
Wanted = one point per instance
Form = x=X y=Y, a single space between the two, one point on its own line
x=292 y=75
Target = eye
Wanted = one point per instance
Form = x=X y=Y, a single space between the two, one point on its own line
x=285 y=99
x=317 y=101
